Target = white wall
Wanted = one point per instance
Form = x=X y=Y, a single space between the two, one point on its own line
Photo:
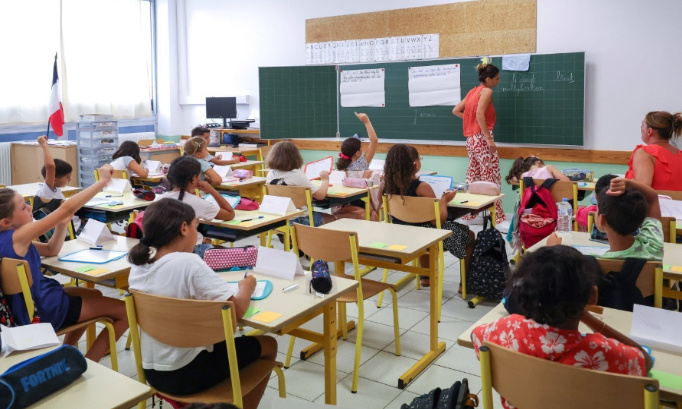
x=632 y=53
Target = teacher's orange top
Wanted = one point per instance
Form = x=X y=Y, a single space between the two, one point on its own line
x=667 y=168
x=470 y=125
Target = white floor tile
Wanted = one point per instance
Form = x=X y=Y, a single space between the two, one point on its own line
x=386 y=368
x=407 y=317
x=305 y=380
x=416 y=300
x=413 y=345
x=461 y=359
x=345 y=356
x=370 y=394
x=449 y=328
x=404 y=397
x=459 y=309
x=375 y=335
x=438 y=376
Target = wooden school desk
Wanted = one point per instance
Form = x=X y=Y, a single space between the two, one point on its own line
x=231 y=231
x=251 y=187
x=470 y=202
x=417 y=241
x=163 y=154
x=298 y=307
x=28 y=190
x=252 y=165
x=109 y=214
x=338 y=195
x=117 y=270
x=98 y=387
x=672 y=257
x=239 y=151
x=619 y=320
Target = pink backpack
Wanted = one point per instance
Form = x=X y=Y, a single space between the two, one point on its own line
x=538 y=212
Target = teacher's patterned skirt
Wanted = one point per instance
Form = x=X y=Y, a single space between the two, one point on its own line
x=483 y=166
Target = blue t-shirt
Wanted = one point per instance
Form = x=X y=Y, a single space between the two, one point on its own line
x=49 y=297
x=205 y=165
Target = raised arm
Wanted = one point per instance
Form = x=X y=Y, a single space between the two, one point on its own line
x=321 y=193
x=617 y=188
x=48 y=161
x=373 y=138
x=23 y=236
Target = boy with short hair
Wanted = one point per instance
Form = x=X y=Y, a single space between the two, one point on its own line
x=205 y=133
x=623 y=207
x=56 y=172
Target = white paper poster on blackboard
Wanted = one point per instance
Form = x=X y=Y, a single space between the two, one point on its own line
x=434 y=85
x=363 y=88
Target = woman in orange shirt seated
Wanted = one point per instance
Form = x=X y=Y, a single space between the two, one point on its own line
x=658 y=163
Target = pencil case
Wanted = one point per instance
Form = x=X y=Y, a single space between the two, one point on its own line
x=30 y=381
x=484 y=188
x=359 y=183
x=242 y=174
x=227 y=257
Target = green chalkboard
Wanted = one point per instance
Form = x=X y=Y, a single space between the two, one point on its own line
x=298 y=102
x=543 y=105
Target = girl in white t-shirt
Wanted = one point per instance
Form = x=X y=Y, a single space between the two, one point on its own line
x=183 y=175
x=127 y=158
x=163 y=264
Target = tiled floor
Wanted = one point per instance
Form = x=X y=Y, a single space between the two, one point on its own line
x=380 y=367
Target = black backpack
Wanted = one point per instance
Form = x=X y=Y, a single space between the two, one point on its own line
x=618 y=289
x=455 y=397
x=489 y=265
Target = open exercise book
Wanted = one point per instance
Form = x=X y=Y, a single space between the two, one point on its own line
x=312 y=170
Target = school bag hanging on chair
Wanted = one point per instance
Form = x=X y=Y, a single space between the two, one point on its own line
x=537 y=213
x=489 y=265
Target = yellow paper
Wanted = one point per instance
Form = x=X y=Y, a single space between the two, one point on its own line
x=676 y=269
x=472 y=203
x=266 y=316
x=246 y=224
x=97 y=271
x=396 y=247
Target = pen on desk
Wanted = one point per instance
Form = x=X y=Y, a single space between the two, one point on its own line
x=463 y=201
x=113 y=196
x=253 y=218
x=99 y=247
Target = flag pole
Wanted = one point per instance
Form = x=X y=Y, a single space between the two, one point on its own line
x=47 y=133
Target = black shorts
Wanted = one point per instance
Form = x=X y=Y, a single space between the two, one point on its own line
x=206 y=370
x=73 y=313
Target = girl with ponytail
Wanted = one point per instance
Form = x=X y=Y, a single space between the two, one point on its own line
x=184 y=176
x=163 y=264
x=351 y=157
x=658 y=163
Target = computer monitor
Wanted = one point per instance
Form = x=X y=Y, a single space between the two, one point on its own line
x=221 y=107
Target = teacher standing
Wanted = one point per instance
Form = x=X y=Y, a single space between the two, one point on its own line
x=478 y=120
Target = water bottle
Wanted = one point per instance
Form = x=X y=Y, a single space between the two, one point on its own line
x=565 y=216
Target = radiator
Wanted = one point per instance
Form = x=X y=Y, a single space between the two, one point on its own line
x=5 y=164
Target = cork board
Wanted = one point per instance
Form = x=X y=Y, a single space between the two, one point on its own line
x=483 y=27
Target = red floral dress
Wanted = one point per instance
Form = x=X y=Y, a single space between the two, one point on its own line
x=570 y=347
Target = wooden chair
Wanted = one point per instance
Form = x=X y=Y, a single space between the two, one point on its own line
x=149 y=142
x=669 y=225
x=529 y=382
x=263 y=153
x=420 y=210
x=186 y=323
x=559 y=190
x=15 y=278
x=301 y=196
x=338 y=247
x=649 y=282
x=118 y=174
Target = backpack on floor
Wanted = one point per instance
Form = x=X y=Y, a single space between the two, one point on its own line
x=538 y=212
x=489 y=266
x=455 y=397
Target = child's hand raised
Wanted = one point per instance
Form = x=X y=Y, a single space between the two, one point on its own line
x=42 y=140
x=106 y=172
x=617 y=187
x=362 y=117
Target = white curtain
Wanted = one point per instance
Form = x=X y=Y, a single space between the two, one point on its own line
x=104 y=53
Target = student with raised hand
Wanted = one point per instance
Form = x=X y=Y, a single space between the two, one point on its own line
x=56 y=172
x=402 y=164
x=558 y=284
x=59 y=306
x=198 y=148
x=658 y=163
x=533 y=167
x=622 y=208
x=127 y=158
x=183 y=175
x=163 y=264
x=205 y=133
x=351 y=157
x=285 y=162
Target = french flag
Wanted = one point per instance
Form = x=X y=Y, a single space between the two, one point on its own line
x=55 y=106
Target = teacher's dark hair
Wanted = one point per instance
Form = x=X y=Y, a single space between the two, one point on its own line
x=553 y=284
x=161 y=225
x=486 y=70
x=666 y=124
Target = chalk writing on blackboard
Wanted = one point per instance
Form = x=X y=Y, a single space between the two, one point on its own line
x=421 y=114
x=564 y=77
x=522 y=83
x=434 y=85
x=362 y=88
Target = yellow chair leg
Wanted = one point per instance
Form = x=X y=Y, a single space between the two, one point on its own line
x=281 y=381
x=290 y=351
x=486 y=378
x=112 y=346
x=384 y=279
x=441 y=273
x=418 y=281
x=129 y=341
x=358 y=346
x=396 y=326
x=463 y=278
